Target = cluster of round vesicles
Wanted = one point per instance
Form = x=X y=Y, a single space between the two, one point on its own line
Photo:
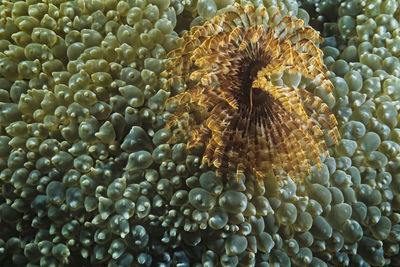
x=323 y=15
x=80 y=101
x=366 y=79
x=87 y=175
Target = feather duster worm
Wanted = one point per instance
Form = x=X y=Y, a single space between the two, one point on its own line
x=236 y=104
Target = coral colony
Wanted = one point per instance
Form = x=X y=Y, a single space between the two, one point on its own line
x=199 y=133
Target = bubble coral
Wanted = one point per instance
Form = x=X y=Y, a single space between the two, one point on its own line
x=87 y=177
x=244 y=102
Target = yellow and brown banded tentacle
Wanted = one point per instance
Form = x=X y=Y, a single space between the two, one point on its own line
x=232 y=105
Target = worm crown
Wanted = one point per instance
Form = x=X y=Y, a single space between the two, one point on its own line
x=244 y=101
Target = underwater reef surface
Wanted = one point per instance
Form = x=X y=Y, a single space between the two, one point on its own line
x=87 y=175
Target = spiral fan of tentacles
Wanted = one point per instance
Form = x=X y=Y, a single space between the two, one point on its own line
x=236 y=104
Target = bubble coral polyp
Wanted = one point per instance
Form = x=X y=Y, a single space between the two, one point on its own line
x=244 y=101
